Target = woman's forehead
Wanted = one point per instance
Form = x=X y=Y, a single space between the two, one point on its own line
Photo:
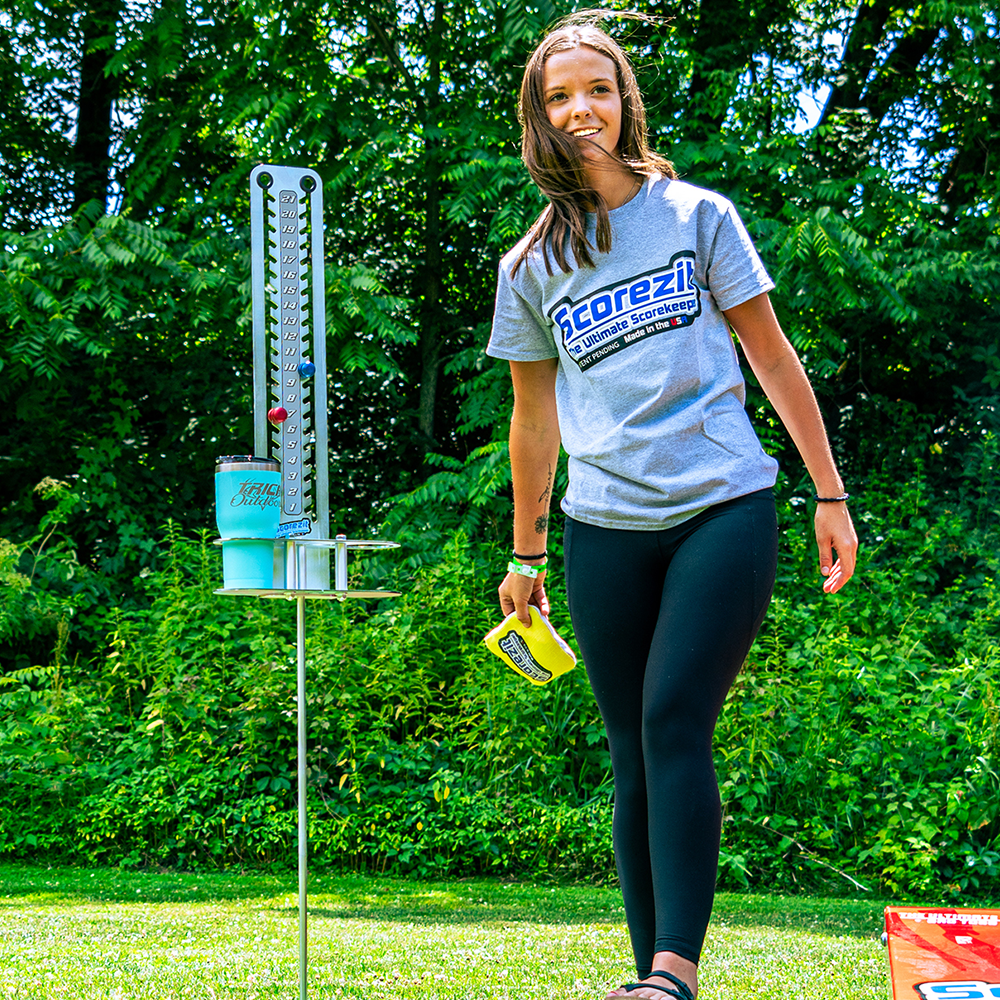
x=580 y=59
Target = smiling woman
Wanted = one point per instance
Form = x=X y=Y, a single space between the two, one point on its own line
x=627 y=361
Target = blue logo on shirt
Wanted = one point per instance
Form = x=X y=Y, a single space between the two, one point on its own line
x=608 y=320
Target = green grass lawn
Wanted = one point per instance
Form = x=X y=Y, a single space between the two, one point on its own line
x=113 y=935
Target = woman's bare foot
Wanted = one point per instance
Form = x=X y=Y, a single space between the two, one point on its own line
x=666 y=961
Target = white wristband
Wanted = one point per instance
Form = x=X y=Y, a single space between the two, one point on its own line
x=520 y=568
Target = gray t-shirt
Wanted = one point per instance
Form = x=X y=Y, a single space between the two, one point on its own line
x=649 y=391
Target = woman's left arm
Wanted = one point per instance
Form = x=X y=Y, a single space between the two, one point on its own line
x=783 y=379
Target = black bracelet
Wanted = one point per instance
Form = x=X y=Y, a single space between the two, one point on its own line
x=542 y=555
x=840 y=499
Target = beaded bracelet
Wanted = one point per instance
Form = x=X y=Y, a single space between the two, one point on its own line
x=840 y=499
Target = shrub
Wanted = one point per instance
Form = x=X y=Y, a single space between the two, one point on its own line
x=859 y=746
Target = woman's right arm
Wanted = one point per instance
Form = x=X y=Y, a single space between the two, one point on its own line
x=534 y=453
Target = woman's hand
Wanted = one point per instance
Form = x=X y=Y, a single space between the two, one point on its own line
x=835 y=534
x=518 y=591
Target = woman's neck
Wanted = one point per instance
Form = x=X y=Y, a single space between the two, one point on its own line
x=616 y=185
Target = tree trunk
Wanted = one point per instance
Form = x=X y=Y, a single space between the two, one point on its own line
x=859 y=57
x=723 y=41
x=430 y=290
x=98 y=90
x=898 y=76
x=858 y=102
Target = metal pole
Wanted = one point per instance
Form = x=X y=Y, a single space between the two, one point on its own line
x=290 y=424
x=340 y=563
x=303 y=829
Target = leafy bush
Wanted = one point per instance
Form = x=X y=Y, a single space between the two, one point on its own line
x=862 y=736
x=859 y=747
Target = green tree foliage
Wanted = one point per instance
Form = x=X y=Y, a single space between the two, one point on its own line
x=878 y=220
x=126 y=140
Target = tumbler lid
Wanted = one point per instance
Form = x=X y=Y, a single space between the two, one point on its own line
x=246 y=463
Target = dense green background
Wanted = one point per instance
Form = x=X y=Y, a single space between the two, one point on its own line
x=143 y=720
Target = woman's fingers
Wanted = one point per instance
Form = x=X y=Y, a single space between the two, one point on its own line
x=837 y=540
x=541 y=601
x=836 y=579
x=517 y=592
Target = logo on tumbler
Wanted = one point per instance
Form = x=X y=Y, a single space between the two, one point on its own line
x=256 y=494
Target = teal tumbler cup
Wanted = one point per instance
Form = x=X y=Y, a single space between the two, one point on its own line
x=247 y=512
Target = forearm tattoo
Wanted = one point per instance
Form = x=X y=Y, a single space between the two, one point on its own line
x=547 y=492
x=542 y=521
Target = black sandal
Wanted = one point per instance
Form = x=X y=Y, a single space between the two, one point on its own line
x=684 y=994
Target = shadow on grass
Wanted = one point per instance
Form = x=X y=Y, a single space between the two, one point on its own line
x=333 y=896
x=826 y=917
x=376 y=898
x=860 y=918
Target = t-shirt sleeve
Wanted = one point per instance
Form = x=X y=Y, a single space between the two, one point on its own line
x=520 y=332
x=735 y=271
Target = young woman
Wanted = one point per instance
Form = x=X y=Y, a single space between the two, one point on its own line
x=615 y=314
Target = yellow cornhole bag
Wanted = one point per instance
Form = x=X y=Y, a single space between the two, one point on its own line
x=535 y=652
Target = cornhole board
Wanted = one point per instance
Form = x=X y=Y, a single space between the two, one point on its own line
x=940 y=953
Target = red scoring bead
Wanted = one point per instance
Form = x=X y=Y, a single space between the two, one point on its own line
x=277 y=414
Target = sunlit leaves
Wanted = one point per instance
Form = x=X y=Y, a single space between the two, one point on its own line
x=884 y=267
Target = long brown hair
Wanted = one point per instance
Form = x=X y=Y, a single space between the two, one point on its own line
x=555 y=160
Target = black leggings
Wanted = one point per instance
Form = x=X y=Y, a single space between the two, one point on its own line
x=664 y=620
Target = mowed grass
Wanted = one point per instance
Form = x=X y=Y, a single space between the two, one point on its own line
x=113 y=935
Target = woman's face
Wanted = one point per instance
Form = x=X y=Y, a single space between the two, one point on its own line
x=582 y=97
